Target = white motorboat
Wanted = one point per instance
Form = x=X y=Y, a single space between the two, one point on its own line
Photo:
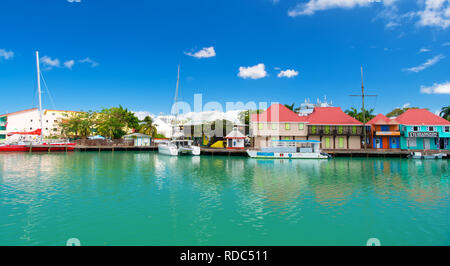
x=290 y=149
x=175 y=147
x=419 y=155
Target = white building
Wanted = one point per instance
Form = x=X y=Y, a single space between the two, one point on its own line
x=29 y=120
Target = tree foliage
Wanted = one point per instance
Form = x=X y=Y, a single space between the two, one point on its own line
x=398 y=111
x=77 y=125
x=115 y=122
x=147 y=127
x=445 y=112
x=359 y=115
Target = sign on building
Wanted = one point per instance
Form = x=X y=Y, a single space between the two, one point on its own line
x=423 y=134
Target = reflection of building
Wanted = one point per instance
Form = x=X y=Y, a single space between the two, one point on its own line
x=422 y=130
x=384 y=133
x=3 y=121
x=29 y=120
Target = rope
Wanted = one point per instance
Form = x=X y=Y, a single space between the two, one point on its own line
x=48 y=91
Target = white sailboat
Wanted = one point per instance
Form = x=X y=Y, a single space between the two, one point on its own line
x=178 y=144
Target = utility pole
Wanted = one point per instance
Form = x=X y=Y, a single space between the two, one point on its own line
x=363 y=95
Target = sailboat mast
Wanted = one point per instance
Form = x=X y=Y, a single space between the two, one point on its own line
x=39 y=92
x=176 y=96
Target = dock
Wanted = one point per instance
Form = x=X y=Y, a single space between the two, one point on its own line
x=392 y=153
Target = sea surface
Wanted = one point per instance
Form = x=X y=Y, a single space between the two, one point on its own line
x=143 y=198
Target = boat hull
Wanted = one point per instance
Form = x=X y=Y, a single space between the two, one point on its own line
x=168 y=149
x=278 y=155
x=192 y=150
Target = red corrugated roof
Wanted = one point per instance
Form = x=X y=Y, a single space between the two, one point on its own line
x=381 y=119
x=278 y=113
x=331 y=116
x=421 y=117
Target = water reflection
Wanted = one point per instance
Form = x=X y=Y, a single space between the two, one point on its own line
x=206 y=198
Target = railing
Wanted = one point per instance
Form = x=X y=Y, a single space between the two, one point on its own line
x=105 y=142
x=335 y=130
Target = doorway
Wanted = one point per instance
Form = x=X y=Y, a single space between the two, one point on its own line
x=426 y=144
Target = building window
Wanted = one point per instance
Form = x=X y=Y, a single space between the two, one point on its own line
x=354 y=129
x=412 y=142
x=31 y=128
x=274 y=126
x=341 y=142
x=260 y=126
x=31 y=120
x=327 y=130
x=287 y=126
x=313 y=129
x=340 y=129
x=446 y=129
x=430 y=128
x=301 y=126
x=55 y=129
x=415 y=128
x=46 y=121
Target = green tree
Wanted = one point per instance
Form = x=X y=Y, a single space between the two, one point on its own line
x=115 y=122
x=77 y=125
x=244 y=118
x=146 y=127
x=445 y=112
x=353 y=112
x=398 y=111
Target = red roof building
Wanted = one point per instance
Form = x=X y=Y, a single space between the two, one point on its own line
x=278 y=113
x=334 y=128
x=418 y=117
x=384 y=133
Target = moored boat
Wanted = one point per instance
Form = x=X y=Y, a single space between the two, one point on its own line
x=290 y=149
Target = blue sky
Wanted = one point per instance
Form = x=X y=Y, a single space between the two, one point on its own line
x=99 y=53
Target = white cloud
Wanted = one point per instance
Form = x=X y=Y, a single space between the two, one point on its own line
x=69 y=64
x=424 y=50
x=312 y=6
x=6 y=54
x=142 y=114
x=253 y=72
x=443 y=88
x=87 y=60
x=203 y=53
x=49 y=63
x=436 y=13
x=427 y=64
x=288 y=73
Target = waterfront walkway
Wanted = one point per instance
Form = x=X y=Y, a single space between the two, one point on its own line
x=235 y=152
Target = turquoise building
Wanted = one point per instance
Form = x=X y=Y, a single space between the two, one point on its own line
x=422 y=130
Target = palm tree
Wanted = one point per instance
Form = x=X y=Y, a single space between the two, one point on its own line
x=147 y=127
x=353 y=112
x=290 y=106
x=445 y=112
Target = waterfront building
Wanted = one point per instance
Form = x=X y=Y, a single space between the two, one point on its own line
x=422 y=130
x=384 y=133
x=277 y=123
x=235 y=139
x=139 y=139
x=28 y=121
x=3 y=133
x=334 y=128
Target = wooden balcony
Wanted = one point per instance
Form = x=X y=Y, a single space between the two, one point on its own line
x=335 y=130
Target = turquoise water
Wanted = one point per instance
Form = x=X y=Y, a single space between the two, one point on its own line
x=139 y=198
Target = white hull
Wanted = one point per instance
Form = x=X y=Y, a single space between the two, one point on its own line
x=192 y=150
x=277 y=155
x=171 y=150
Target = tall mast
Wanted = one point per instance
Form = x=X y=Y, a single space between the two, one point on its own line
x=39 y=92
x=176 y=96
x=363 y=109
x=363 y=95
